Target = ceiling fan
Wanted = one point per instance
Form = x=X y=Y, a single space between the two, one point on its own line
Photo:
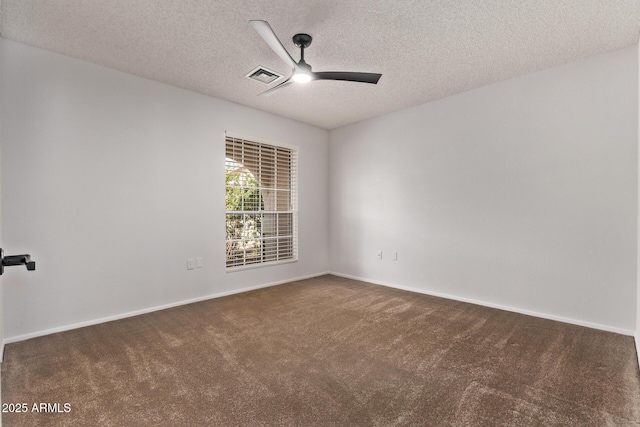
x=301 y=72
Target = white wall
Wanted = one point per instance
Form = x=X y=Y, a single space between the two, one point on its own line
x=521 y=194
x=1 y=241
x=112 y=181
x=637 y=334
x=1 y=287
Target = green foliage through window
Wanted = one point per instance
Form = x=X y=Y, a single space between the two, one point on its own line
x=243 y=229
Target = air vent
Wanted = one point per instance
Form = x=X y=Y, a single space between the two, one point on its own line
x=263 y=75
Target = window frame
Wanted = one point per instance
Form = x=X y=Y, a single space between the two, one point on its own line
x=293 y=188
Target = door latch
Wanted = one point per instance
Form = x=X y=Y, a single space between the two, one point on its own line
x=10 y=260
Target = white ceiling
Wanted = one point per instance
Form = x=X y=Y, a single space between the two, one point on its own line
x=425 y=49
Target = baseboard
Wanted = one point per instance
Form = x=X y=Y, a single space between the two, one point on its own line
x=2 y=343
x=498 y=306
x=64 y=328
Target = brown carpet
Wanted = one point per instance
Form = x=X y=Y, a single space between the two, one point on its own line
x=325 y=352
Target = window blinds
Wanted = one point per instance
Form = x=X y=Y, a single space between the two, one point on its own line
x=261 y=203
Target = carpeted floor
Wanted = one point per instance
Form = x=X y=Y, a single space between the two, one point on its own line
x=325 y=352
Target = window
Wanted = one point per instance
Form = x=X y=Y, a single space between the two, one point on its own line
x=261 y=203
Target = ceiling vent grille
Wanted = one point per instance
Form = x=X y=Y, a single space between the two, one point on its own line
x=263 y=75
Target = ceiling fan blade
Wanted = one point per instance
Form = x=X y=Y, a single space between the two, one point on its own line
x=266 y=32
x=269 y=92
x=348 y=76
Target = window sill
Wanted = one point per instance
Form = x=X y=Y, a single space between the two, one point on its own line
x=259 y=265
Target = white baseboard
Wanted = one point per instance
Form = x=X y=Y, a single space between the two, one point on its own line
x=498 y=306
x=2 y=343
x=64 y=328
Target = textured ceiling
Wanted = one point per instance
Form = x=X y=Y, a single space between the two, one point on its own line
x=425 y=50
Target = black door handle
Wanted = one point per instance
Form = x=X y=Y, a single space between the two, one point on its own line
x=9 y=260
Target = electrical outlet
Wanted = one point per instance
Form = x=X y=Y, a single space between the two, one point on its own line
x=379 y=254
x=190 y=264
x=395 y=256
x=199 y=262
